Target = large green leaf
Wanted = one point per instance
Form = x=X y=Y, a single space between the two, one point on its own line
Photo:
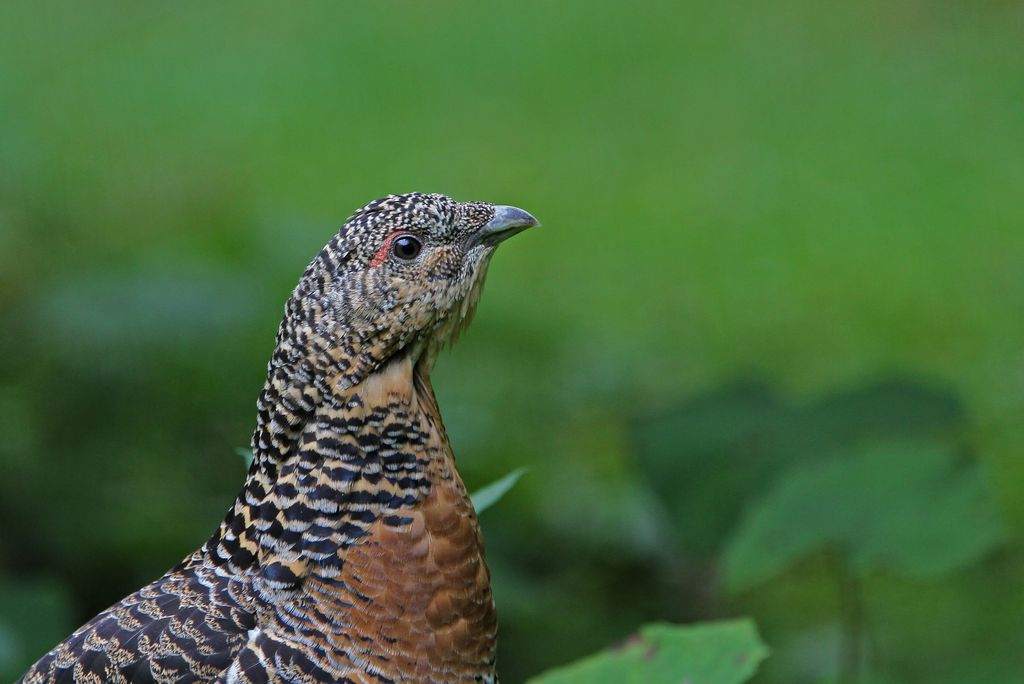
x=710 y=456
x=903 y=506
x=716 y=653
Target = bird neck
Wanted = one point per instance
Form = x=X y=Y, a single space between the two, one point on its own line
x=331 y=455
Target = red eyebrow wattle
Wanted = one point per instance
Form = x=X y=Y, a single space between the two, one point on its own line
x=382 y=254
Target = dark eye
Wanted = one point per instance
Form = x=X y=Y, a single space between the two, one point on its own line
x=406 y=247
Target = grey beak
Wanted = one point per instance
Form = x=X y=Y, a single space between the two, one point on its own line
x=507 y=222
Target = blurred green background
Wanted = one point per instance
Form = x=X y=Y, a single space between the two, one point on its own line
x=764 y=358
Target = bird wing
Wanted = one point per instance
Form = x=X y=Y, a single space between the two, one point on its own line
x=185 y=627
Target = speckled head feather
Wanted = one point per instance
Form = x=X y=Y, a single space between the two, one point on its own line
x=357 y=291
x=353 y=552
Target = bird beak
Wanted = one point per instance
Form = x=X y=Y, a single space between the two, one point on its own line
x=507 y=222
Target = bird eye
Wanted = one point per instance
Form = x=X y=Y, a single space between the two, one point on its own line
x=406 y=247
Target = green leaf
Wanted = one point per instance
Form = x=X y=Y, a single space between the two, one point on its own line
x=487 y=496
x=907 y=507
x=246 y=454
x=725 y=652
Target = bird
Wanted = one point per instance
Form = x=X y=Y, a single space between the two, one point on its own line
x=352 y=552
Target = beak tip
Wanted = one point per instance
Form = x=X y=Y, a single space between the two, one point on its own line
x=506 y=222
x=512 y=217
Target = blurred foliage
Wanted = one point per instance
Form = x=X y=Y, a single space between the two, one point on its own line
x=31 y=612
x=777 y=239
x=752 y=434
x=717 y=653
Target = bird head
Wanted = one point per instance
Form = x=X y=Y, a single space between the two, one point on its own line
x=402 y=276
